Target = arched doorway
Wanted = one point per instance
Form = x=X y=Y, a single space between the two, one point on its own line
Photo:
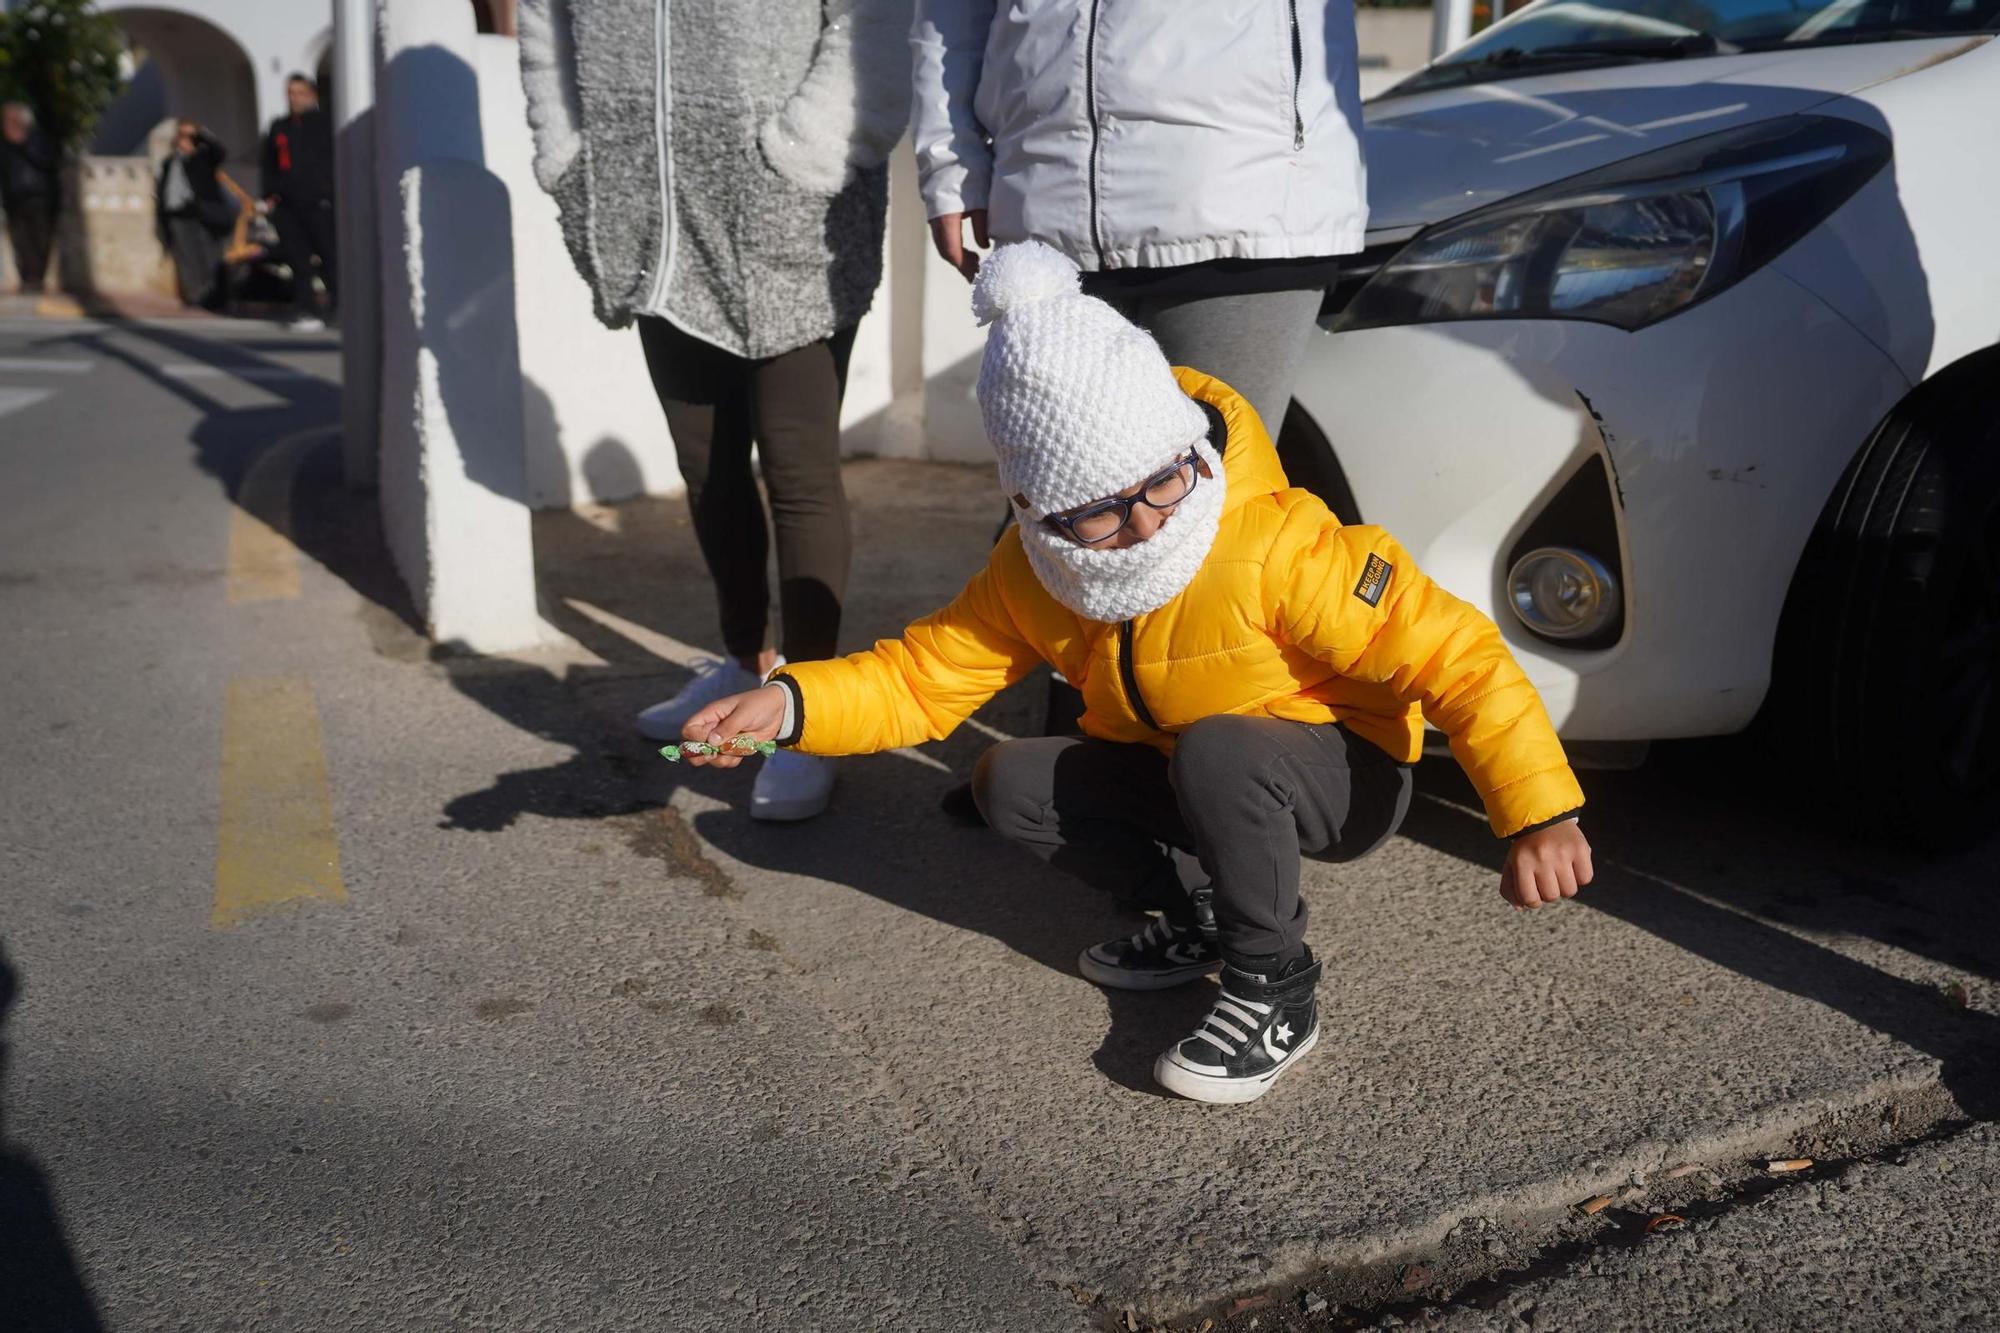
x=183 y=66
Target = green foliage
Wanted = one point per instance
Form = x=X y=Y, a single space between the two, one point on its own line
x=61 y=58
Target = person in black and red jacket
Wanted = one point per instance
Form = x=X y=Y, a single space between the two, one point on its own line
x=298 y=194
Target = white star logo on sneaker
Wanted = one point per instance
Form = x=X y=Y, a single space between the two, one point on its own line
x=1285 y=1033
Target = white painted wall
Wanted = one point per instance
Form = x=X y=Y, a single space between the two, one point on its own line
x=593 y=429
x=909 y=385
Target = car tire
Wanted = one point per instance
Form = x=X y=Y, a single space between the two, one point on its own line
x=1890 y=646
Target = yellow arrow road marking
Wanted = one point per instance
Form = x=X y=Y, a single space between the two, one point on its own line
x=276 y=844
x=263 y=563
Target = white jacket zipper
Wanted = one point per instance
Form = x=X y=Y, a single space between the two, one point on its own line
x=663 y=261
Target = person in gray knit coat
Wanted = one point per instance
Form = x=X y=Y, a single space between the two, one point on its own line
x=720 y=172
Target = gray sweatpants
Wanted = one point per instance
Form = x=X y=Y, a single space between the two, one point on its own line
x=1254 y=344
x=1236 y=806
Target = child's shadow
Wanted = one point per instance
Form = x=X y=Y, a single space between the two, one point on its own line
x=886 y=837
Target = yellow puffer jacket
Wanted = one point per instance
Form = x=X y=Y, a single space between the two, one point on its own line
x=1292 y=615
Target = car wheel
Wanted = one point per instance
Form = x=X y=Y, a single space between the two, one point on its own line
x=1891 y=638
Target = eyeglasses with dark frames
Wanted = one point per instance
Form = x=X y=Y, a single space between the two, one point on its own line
x=1096 y=523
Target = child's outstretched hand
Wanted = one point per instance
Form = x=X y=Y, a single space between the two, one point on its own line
x=759 y=713
x=1546 y=865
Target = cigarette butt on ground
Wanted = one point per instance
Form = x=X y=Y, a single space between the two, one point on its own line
x=1788 y=1164
x=1595 y=1204
x=1685 y=1169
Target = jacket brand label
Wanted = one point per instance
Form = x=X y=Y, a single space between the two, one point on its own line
x=1374 y=580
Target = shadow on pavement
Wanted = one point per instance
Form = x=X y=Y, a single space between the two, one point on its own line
x=337 y=528
x=886 y=836
x=41 y=1288
x=1696 y=851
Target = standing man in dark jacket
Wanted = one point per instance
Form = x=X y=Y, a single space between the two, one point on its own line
x=192 y=212
x=298 y=193
x=27 y=192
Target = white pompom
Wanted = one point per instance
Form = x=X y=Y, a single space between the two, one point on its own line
x=1021 y=274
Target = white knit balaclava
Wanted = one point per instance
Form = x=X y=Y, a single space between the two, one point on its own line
x=1080 y=404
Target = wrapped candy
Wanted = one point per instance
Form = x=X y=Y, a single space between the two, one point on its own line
x=740 y=745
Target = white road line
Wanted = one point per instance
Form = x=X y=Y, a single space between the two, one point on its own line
x=13 y=400
x=663 y=646
x=911 y=753
x=53 y=365
x=991 y=733
x=190 y=371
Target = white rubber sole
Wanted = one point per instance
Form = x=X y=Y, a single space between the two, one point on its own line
x=792 y=809
x=1174 y=1076
x=1118 y=978
x=789 y=812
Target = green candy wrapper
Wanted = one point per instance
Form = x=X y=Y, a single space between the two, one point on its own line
x=743 y=745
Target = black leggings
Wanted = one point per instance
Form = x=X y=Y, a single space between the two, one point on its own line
x=717 y=404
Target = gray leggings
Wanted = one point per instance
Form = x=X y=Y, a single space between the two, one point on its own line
x=1240 y=801
x=1254 y=344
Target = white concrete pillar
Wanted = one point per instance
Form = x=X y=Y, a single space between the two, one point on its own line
x=461 y=487
x=352 y=104
x=452 y=463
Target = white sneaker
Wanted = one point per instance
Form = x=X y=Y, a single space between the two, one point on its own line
x=792 y=786
x=307 y=324
x=712 y=680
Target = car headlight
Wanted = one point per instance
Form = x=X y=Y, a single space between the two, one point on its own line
x=1633 y=242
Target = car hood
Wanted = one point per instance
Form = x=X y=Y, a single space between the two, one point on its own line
x=1434 y=155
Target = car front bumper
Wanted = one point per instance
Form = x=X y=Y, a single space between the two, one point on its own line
x=1725 y=428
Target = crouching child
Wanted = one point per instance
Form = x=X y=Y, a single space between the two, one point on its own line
x=1255 y=676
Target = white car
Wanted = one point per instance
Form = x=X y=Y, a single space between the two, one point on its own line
x=1677 y=350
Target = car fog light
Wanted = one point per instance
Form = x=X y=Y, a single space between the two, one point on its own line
x=1562 y=593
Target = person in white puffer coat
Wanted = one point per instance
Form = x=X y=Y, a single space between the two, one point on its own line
x=1200 y=162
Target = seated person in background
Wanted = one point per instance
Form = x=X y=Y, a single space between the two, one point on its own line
x=1255 y=675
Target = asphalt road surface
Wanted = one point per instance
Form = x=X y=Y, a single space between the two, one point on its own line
x=350 y=985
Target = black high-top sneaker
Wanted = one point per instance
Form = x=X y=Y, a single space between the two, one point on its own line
x=1166 y=953
x=1257 y=1030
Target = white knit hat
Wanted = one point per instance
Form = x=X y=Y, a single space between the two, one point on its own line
x=1079 y=404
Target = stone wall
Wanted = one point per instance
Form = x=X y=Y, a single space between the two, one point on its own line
x=120 y=252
